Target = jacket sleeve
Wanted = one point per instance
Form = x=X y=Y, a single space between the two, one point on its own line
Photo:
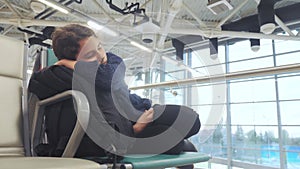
x=50 y=81
x=139 y=103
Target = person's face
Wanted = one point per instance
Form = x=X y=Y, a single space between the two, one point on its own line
x=91 y=50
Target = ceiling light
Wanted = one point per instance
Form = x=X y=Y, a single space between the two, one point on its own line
x=140 y=46
x=218 y=6
x=267 y=28
x=98 y=27
x=148 y=38
x=55 y=5
x=37 y=6
x=148 y=28
x=95 y=25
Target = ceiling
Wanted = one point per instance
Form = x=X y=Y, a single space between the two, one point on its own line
x=190 y=21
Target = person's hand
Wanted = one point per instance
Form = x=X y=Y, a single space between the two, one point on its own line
x=143 y=120
x=147 y=116
x=67 y=63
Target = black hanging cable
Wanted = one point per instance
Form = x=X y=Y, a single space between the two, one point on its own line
x=133 y=8
x=79 y=2
x=42 y=13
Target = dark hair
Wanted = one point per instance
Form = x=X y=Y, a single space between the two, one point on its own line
x=65 y=40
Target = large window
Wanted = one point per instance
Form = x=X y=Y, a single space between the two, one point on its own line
x=242 y=58
x=253 y=90
x=242 y=51
x=247 y=119
x=289 y=87
x=258 y=107
x=289 y=96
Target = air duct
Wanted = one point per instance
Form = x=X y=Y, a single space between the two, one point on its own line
x=213 y=48
x=255 y=44
x=179 y=46
x=266 y=17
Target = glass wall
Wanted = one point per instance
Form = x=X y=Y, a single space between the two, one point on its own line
x=246 y=121
x=262 y=110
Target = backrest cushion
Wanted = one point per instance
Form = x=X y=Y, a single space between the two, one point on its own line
x=12 y=56
x=11 y=80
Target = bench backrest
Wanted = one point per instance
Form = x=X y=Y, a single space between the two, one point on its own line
x=11 y=91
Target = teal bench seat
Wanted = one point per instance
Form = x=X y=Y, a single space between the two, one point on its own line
x=163 y=160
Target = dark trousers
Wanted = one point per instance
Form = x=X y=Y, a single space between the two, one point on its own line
x=164 y=118
x=180 y=118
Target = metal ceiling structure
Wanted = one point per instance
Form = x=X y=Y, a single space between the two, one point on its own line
x=187 y=20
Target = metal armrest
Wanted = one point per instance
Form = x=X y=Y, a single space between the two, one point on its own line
x=83 y=113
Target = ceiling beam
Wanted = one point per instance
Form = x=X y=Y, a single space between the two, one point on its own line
x=232 y=13
x=35 y=22
x=1 y=7
x=233 y=34
x=15 y=11
x=190 y=11
x=111 y=19
x=9 y=28
x=283 y=26
x=174 y=8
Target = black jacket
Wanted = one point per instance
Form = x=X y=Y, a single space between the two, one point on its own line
x=112 y=96
x=50 y=81
x=60 y=118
